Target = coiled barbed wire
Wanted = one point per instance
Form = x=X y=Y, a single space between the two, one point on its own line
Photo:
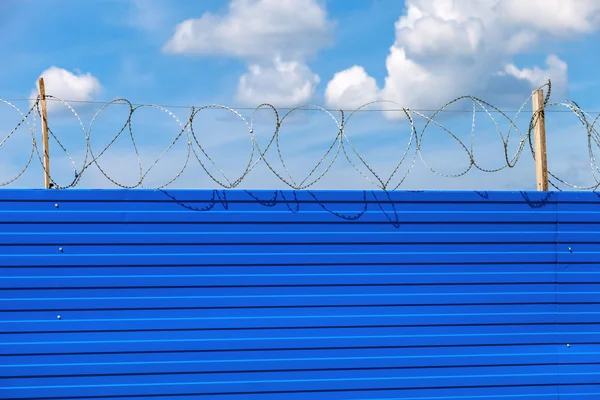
x=341 y=145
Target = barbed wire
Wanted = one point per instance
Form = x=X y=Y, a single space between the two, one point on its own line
x=340 y=147
x=333 y=110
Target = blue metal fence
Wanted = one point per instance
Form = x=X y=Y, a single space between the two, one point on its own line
x=299 y=295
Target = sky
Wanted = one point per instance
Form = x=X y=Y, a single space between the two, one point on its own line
x=329 y=54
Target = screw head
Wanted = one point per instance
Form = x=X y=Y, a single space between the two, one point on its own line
x=60 y=249
x=568 y=345
x=56 y=205
x=58 y=317
x=570 y=250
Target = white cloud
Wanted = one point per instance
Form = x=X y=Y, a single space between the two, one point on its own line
x=292 y=29
x=407 y=81
x=68 y=85
x=275 y=37
x=351 y=88
x=447 y=48
x=554 y=17
x=283 y=84
x=556 y=71
x=442 y=31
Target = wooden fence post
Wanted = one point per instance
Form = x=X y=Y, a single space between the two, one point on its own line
x=45 y=148
x=539 y=140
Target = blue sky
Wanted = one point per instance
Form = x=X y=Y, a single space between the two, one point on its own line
x=333 y=53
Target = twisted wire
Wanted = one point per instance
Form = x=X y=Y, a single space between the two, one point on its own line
x=341 y=145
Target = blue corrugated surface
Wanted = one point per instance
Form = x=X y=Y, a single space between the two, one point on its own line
x=306 y=295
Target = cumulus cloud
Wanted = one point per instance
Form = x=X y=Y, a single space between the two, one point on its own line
x=283 y=84
x=453 y=48
x=351 y=88
x=67 y=85
x=553 y=17
x=436 y=28
x=556 y=71
x=256 y=28
x=275 y=37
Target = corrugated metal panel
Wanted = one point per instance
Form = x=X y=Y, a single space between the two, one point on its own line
x=307 y=295
x=579 y=295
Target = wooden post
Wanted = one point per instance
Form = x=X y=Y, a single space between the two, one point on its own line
x=539 y=140
x=45 y=148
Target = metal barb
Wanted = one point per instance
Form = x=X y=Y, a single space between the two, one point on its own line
x=271 y=154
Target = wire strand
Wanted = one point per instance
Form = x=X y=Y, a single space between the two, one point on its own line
x=332 y=110
x=341 y=146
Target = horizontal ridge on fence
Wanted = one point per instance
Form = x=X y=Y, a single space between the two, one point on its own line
x=449 y=295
